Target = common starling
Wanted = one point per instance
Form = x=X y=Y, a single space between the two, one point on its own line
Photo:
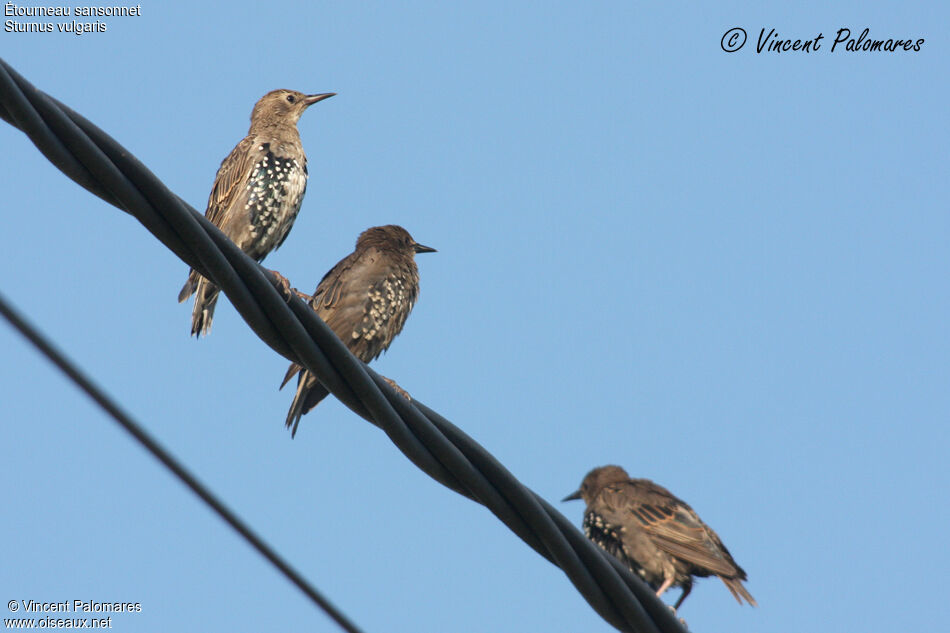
x=257 y=191
x=365 y=300
x=656 y=535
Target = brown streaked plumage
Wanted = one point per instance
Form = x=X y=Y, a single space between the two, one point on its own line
x=257 y=191
x=365 y=299
x=655 y=534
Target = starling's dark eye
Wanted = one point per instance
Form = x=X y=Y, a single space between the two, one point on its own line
x=291 y=99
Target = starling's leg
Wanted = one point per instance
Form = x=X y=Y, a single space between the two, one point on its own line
x=284 y=284
x=402 y=392
x=687 y=587
x=666 y=585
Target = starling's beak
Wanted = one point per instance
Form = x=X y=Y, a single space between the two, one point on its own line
x=309 y=100
x=419 y=248
x=572 y=497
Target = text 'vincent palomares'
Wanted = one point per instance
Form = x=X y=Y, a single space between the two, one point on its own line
x=80 y=606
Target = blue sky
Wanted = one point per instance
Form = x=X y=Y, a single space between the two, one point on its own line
x=724 y=272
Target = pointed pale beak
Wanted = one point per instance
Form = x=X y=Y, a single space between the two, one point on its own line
x=419 y=248
x=572 y=497
x=309 y=100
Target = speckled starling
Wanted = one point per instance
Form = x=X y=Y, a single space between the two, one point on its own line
x=656 y=535
x=257 y=191
x=365 y=299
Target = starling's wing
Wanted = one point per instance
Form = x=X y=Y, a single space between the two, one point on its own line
x=344 y=300
x=231 y=180
x=673 y=525
x=329 y=295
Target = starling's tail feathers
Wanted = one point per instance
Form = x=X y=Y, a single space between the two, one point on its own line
x=291 y=372
x=203 y=312
x=190 y=286
x=309 y=394
x=296 y=407
x=739 y=591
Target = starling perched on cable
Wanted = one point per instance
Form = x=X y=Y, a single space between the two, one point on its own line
x=656 y=535
x=365 y=300
x=257 y=191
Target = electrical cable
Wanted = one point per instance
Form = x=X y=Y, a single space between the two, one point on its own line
x=137 y=431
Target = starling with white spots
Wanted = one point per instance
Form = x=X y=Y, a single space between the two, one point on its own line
x=257 y=191
x=365 y=299
x=655 y=534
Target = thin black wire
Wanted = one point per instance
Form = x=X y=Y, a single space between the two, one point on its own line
x=97 y=162
x=138 y=432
